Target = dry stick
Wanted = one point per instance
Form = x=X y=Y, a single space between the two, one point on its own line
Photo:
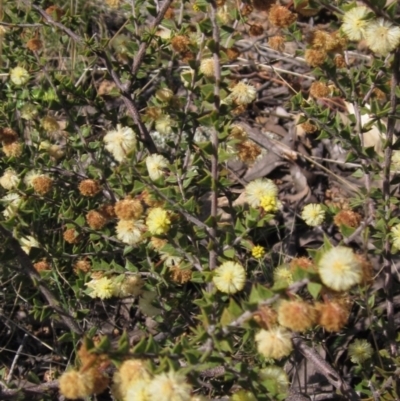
x=387 y=255
x=27 y=268
x=326 y=369
x=214 y=136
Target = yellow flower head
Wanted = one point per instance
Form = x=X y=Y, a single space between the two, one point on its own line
x=207 y=67
x=313 y=214
x=382 y=36
x=269 y=203
x=259 y=188
x=243 y=94
x=275 y=343
x=360 y=351
x=355 y=22
x=283 y=274
x=19 y=76
x=395 y=234
x=169 y=386
x=158 y=221
x=258 y=251
x=120 y=142
x=339 y=269
x=102 y=288
x=230 y=277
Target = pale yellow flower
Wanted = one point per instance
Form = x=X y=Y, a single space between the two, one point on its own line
x=19 y=76
x=164 y=94
x=102 y=288
x=28 y=242
x=257 y=189
x=155 y=166
x=138 y=391
x=313 y=214
x=130 y=231
x=207 y=67
x=395 y=234
x=12 y=202
x=243 y=94
x=28 y=111
x=164 y=124
x=395 y=166
x=355 y=22
x=382 y=36
x=158 y=221
x=275 y=343
x=31 y=176
x=339 y=269
x=283 y=274
x=169 y=386
x=9 y=180
x=129 y=286
x=230 y=277
x=121 y=143
x=359 y=351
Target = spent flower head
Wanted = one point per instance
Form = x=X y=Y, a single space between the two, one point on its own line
x=230 y=277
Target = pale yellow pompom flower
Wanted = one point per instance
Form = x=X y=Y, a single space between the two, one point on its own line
x=359 y=351
x=207 y=67
x=283 y=274
x=130 y=231
x=155 y=166
x=269 y=203
x=169 y=386
x=164 y=124
x=138 y=391
x=121 y=143
x=19 y=76
x=339 y=269
x=102 y=288
x=355 y=22
x=257 y=189
x=230 y=277
x=243 y=94
x=275 y=343
x=9 y=180
x=158 y=221
x=313 y=214
x=382 y=36
x=395 y=234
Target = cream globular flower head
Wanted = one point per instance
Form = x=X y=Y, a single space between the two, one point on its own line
x=158 y=221
x=9 y=180
x=121 y=143
x=359 y=351
x=169 y=386
x=164 y=124
x=243 y=94
x=275 y=343
x=19 y=76
x=395 y=235
x=102 y=288
x=12 y=202
x=382 y=36
x=230 y=277
x=155 y=166
x=355 y=22
x=259 y=188
x=313 y=214
x=130 y=231
x=207 y=67
x=340 y=269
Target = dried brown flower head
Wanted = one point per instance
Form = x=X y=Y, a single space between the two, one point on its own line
x=280 y=16
x=71 y=236
x=42 y=184
x=13 y=149
x=41 y=266
x=246 y=9
x=108 y=211
x=89 y=187
x=180 y=276
x=333 y=315
x=277 y=43
x=265 y=317
x=180 y=43
x=150 y=199
x=34 y=44
x=82 y=265
x=256 y=30
x=157 y=243
x=315 y=58
x=309 y=127
x=296 y=315
x=319 y=40
x=106 y=87
x=8 y=136
x=339 y=61
x=170 y=13
x=302 y=263
x=347 y=218
x=248 y=151
x=128 y=208
x=367 y=270
x=233 y=53
x=55 y=12
x=319 y=90
x=96 y=220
